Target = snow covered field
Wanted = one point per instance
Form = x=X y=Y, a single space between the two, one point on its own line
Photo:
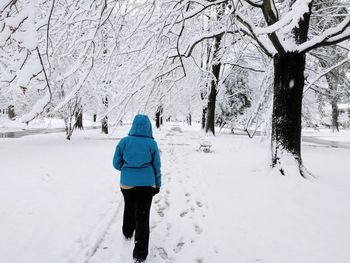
x=327 y=134
x=60 y=202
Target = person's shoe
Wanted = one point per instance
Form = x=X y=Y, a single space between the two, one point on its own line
x=139 y=260
x=127 y=237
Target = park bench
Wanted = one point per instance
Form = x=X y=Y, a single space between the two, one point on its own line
x=205 y=146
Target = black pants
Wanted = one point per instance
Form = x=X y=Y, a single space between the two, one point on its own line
x=137 y=204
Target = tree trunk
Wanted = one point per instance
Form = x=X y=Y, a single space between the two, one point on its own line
x=210 y=123
x=332 y=83
x=11 y=112
x=78 y=120
x=157 y=119
x=335 y=115
x=204 y=114
x=104 y=128
x=69 y=130
x=287 y=106
x=94 y=117
x=287 y=101
x=204 y=108
x=159 y=116
x=189 y=119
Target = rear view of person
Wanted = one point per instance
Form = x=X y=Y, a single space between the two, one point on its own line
x=137 y=157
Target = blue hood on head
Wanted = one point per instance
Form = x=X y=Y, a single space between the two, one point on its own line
x=141 y=126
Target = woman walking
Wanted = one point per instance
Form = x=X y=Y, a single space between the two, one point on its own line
x=137 y=157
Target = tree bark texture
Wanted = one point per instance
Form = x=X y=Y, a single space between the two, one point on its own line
x=189 y=119
x=159 y=117
x=11 y=112
x=335 y=115
x=210 y=123
x=104 y=128
x=78 y=120
x=69 y=129
x=287 y=105
x=332 y=83
x=204 y=114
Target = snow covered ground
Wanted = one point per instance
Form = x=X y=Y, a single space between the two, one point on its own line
x=60 y=202
x=327 y=134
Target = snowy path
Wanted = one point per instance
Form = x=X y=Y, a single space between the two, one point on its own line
x=178 y=212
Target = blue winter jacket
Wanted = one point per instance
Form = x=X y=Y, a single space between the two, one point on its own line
x=137 y=155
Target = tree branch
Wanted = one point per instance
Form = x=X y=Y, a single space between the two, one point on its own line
x=243 y=67
x=330 y=37
x=252 y=3
x=252 y=34
x=325 y=72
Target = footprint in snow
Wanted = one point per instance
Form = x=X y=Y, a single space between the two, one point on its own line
x=162 y=253
x=183 y=213
x=178 y=247
x=198 y=229
x=160 y=211
x=199 y=204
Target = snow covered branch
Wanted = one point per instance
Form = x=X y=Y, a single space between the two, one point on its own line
x=203 y=37
x=203 y=5
x=312 y=82
x=249 y=28
x=329 y=37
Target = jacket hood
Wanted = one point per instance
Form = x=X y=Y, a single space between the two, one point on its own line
x=141 y=126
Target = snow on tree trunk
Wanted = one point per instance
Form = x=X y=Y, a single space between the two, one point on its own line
x=332 y=83
x=204 y=114
x=78 y=120
x=11 y=112
x=287 y=106
x=69 y=129
x=159 y=116
x=335 y=115
x=210 y=123
x=204 y=107
x=189 y=119
x=104 y=128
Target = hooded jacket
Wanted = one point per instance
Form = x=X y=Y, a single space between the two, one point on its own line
x=137 y=155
